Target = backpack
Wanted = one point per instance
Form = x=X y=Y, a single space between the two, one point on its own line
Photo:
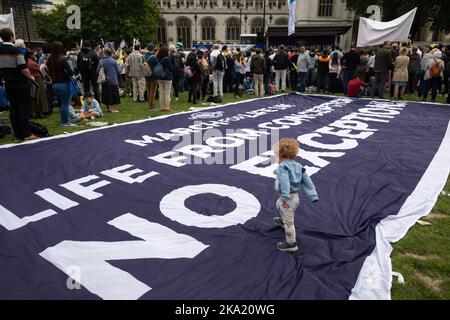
x=158 y=71
x=38 y=129
x=85 y=63
x=220 y=63
x=435 y=70
x=146 y=70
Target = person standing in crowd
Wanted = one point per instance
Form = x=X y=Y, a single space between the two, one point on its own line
x=127 y=80
x=15 y=74
x=350 y=62
x=400 y=78
x=229 y=71
x=427 y=57
x=338 y=51
x=165 y=83
x=40 y=107
x=151 y=82
x=447 y=69
x=311 y=76
x=60 y=72
x=135 y=61
x=196 y=79
x=203 y=58
x=239 y=73
x=383 y=65
x=87 y=62
x=110 y=88
x=178 y=69
x=294 y=69
x=281 y=64
x=446 y=59
x=248 y=61
x=363 y=67
x=335 y=70
x=267 y=72
x=303 y=62
x=413 y=70
x=257 y=67
x=182 y=80
x=45 y=53
x=323 y=69
x=433 y=75
x=218 y=65
x=98 y=49
x=371 y=65
x=395 y=52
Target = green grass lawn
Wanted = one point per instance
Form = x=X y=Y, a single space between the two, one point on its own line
x=423 y=256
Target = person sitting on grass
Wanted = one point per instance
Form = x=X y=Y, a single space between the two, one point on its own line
x=355 y=87
x=91 y=108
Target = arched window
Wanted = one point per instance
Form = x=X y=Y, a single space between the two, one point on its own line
x=326 y=8
x=203 y=3
x=259 y=4
x=282 y=21
x=233 y=30
x=183 y=26
x=180 y=3
x=272 y=3
x=257 y=25
x=213 y=4
x=208 y=26
x=227 y=4
x=161 y=32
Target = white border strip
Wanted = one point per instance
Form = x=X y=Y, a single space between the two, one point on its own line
x=60 y=136
x=375 y=278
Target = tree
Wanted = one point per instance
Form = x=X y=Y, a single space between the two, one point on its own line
x=436 y=12
x=111 y=20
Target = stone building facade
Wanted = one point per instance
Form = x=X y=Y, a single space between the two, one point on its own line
x=23 y=19
x=318 y=21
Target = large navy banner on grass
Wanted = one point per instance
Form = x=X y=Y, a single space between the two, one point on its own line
x=181 y=207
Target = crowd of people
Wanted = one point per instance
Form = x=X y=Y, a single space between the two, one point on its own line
x=82 y=80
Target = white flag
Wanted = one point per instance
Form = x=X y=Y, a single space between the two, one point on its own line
x=7 y=21
x=372 y=33
x=291 y=17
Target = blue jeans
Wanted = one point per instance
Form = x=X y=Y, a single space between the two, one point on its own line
x=348 y=75
x=301 y=82
x=267 y=82
x=62 y=91
x=311 y=78
x=181 y=80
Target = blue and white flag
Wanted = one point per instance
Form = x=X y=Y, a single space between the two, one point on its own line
x=292 y=4
x=165 y=208
x=123 y=44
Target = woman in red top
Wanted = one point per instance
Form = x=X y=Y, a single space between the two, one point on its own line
x=40 y=107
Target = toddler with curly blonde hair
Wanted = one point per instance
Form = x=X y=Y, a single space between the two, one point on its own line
x=290 y=175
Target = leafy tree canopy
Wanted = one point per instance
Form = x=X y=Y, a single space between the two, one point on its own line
x=112 y=20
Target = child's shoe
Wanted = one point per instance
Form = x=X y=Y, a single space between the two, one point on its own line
x=278 y=221
x=289 y=247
